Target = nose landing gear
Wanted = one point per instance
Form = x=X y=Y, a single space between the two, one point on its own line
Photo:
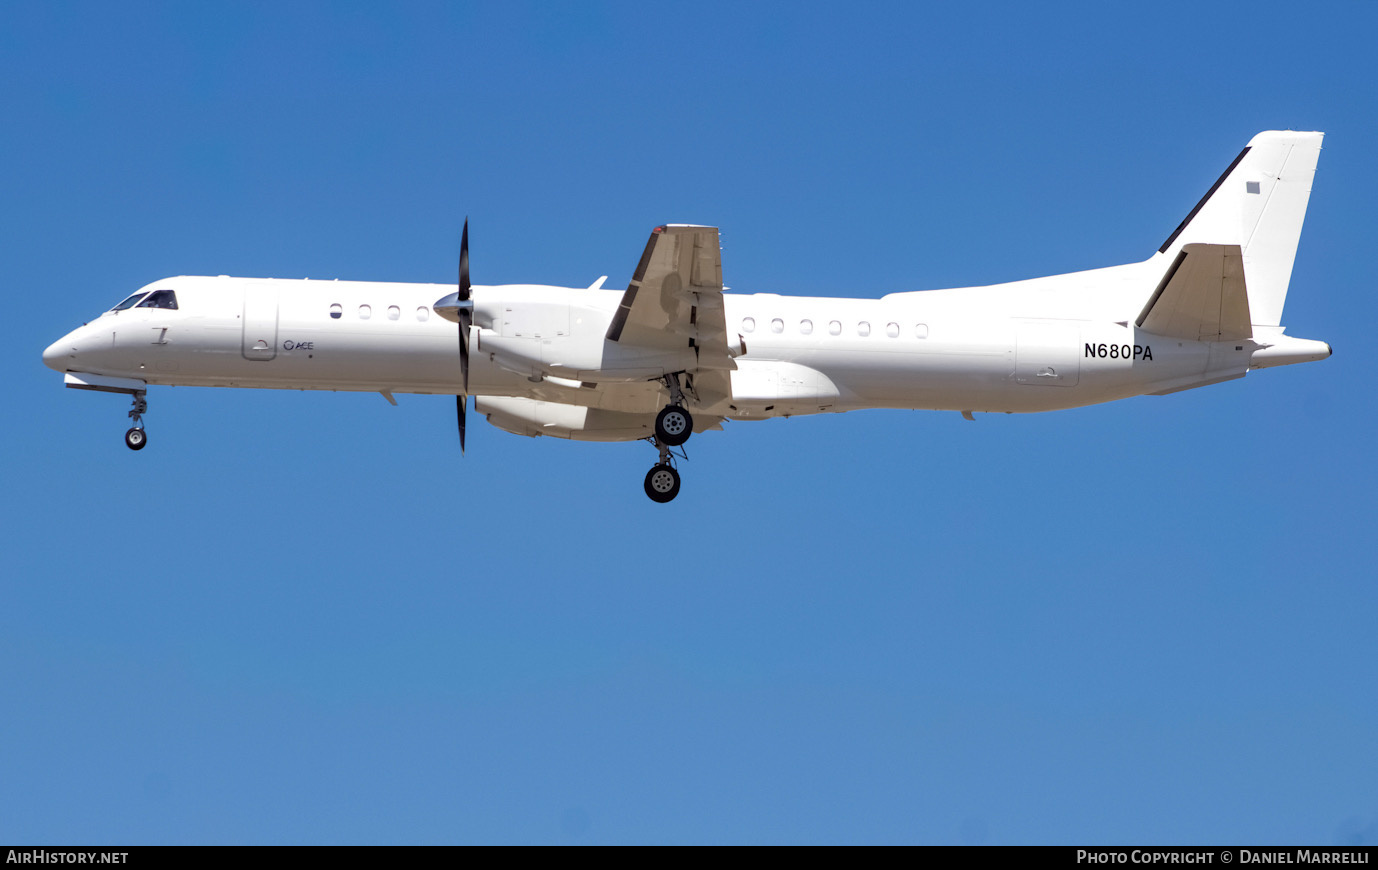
x=136 y=438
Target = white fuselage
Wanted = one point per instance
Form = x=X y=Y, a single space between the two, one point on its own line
x=1037 y=345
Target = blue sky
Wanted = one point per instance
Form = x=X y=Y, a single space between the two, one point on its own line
x=302 y=618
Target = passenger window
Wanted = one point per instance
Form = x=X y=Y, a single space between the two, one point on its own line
x=365 y=312
x=336 y=311
x=863 y=329
x=748 y=324
x=834 y=327
x=806 y=326
x=128 y=303
x=160 y=299
x=423 y=314
x=892 y=330
x=394 y=312
x=921 y=330
x=777 y=325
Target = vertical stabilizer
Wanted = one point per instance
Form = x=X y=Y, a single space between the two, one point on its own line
x=1259 y=203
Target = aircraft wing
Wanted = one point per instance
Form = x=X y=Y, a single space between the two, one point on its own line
x=675 y=300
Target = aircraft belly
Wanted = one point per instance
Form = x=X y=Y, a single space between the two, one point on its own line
x=938 y=380
x=937 y=375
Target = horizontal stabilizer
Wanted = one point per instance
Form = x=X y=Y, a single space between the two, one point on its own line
x=1202 y=297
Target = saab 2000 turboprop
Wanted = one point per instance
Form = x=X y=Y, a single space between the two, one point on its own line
x=674 y=355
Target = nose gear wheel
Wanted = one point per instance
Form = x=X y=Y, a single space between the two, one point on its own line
x=136 y=438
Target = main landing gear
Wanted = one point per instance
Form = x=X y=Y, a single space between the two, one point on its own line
x=136 y=438
x=674 y=425
x=662 y=481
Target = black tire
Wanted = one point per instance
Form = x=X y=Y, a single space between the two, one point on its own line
x=674 y=425
x=662 y=484
x=136 y=439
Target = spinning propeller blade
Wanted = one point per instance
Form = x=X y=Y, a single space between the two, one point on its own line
x=458 y=308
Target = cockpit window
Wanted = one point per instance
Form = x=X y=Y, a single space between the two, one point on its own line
x=129 y=303
x=160 y=299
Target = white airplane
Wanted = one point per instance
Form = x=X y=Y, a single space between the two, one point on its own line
x=673 y=354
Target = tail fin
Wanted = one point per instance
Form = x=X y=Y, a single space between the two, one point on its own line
x=1259 y=203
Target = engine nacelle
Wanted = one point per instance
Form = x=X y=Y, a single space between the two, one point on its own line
x=534 y=418
x=556 y=331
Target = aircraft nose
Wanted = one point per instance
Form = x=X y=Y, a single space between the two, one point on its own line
x=60 y=353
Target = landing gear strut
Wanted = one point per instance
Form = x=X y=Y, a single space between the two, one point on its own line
x=136 y=438
x=674 y=425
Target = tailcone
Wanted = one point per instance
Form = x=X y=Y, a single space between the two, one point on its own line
x=1283 y=350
